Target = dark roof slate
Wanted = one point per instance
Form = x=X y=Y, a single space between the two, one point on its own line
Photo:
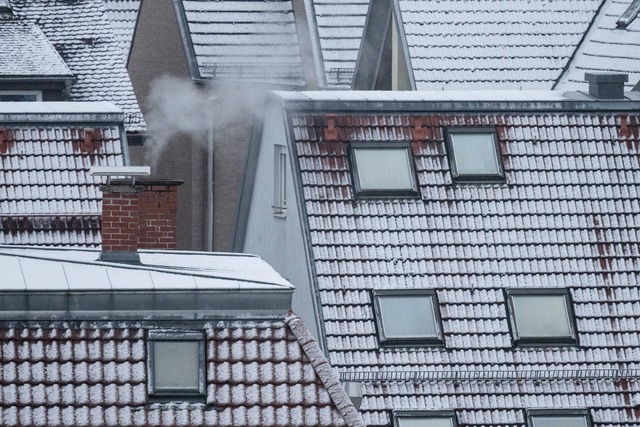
x=501 y=44
x=30 y=54
x=46 y=194
x=245 y=40
x=81 y=34
x=340 y=25
x=566 y=216
x=123 y=15
x=258 y=374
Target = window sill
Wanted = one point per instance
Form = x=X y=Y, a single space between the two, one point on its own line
x=279 y=212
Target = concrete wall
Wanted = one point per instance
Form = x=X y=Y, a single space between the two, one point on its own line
x=279 y=239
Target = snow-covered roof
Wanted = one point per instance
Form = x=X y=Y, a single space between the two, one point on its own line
x=83 y=37
x=607 y=47
x=267 y=373
x=243 y=40
x=30 y=53
x=566 y=216
x=46 y=149
x=123 y=15
x=340 y=24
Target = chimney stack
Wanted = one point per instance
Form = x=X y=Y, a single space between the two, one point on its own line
x=138 y=214
x=606 y=85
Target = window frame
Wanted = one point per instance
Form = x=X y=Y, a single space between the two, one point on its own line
x=383 y=193
x=404 y=413
x=425 y=341
x=532 y=413
x=280 y=159
x=37 y=93
x=463 y=178
x=175 y=393
x=518 y=340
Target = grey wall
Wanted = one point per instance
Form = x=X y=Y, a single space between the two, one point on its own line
x=279 y=240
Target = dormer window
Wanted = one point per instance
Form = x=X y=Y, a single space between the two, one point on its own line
x=20 y=95
x=424 y=419
x=541 y=316
x=558 y=418
x=407 y=317
x=176 y=364
x=474 y=154
x=383 y=170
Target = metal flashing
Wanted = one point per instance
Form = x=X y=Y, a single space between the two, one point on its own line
x=371 y=46
x=629 y=15
x=187 y=43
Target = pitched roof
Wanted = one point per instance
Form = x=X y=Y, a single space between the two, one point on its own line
x=30 y=54
x=608 y=47
x=245 y=40
x=46 y=149
x=566 y=216
x=340 y=25
x=84 y=39
x=123 y=15
x=88 y=365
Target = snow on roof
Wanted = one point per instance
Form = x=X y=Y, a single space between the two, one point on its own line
x=57 y=269
x=30 y=53
x=83 y=38
x=497 y=44
x=257 y=374
x=47 y=196
x=123 y=15
x=566 y=216
x=607 y=48
x=340 y=25
x=246 y=40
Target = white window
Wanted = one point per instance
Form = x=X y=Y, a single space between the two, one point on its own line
x=474 y=154
x=407 y=317
x=541 y=316
x=280 y=180
x=383 y=169
x=424 y=419
x=176 y=364
x=558 y=418
x=20 y=95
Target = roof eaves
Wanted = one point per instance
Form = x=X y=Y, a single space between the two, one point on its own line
x=328 y=376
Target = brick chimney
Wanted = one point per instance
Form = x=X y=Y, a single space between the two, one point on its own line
x=137 y=216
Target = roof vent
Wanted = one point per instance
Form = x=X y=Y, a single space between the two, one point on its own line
x=606 y=85
x=629 y=15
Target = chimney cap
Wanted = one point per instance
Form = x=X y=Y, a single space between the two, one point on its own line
x=120 y=171
x=606 y=77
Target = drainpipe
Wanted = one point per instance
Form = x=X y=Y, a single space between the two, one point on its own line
x=210 y=186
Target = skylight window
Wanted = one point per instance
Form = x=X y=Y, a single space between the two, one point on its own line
x=407 y=317
x=541 y=316
x=176 y=364
x=474 y=154
x=558 y=418
x=424 y=419
x=383 y=169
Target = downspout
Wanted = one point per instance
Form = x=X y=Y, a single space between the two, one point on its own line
x=210 y=187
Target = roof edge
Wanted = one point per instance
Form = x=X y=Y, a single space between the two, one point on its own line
x=60 y=112
x=328 y=376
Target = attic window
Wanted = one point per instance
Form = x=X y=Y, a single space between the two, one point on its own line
x=407 y=317
x=383 y=169
x=474 y=154
x=20 y=95
x=541 y=316
x=176 y=364
x=424 y=419
x=558 y=418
